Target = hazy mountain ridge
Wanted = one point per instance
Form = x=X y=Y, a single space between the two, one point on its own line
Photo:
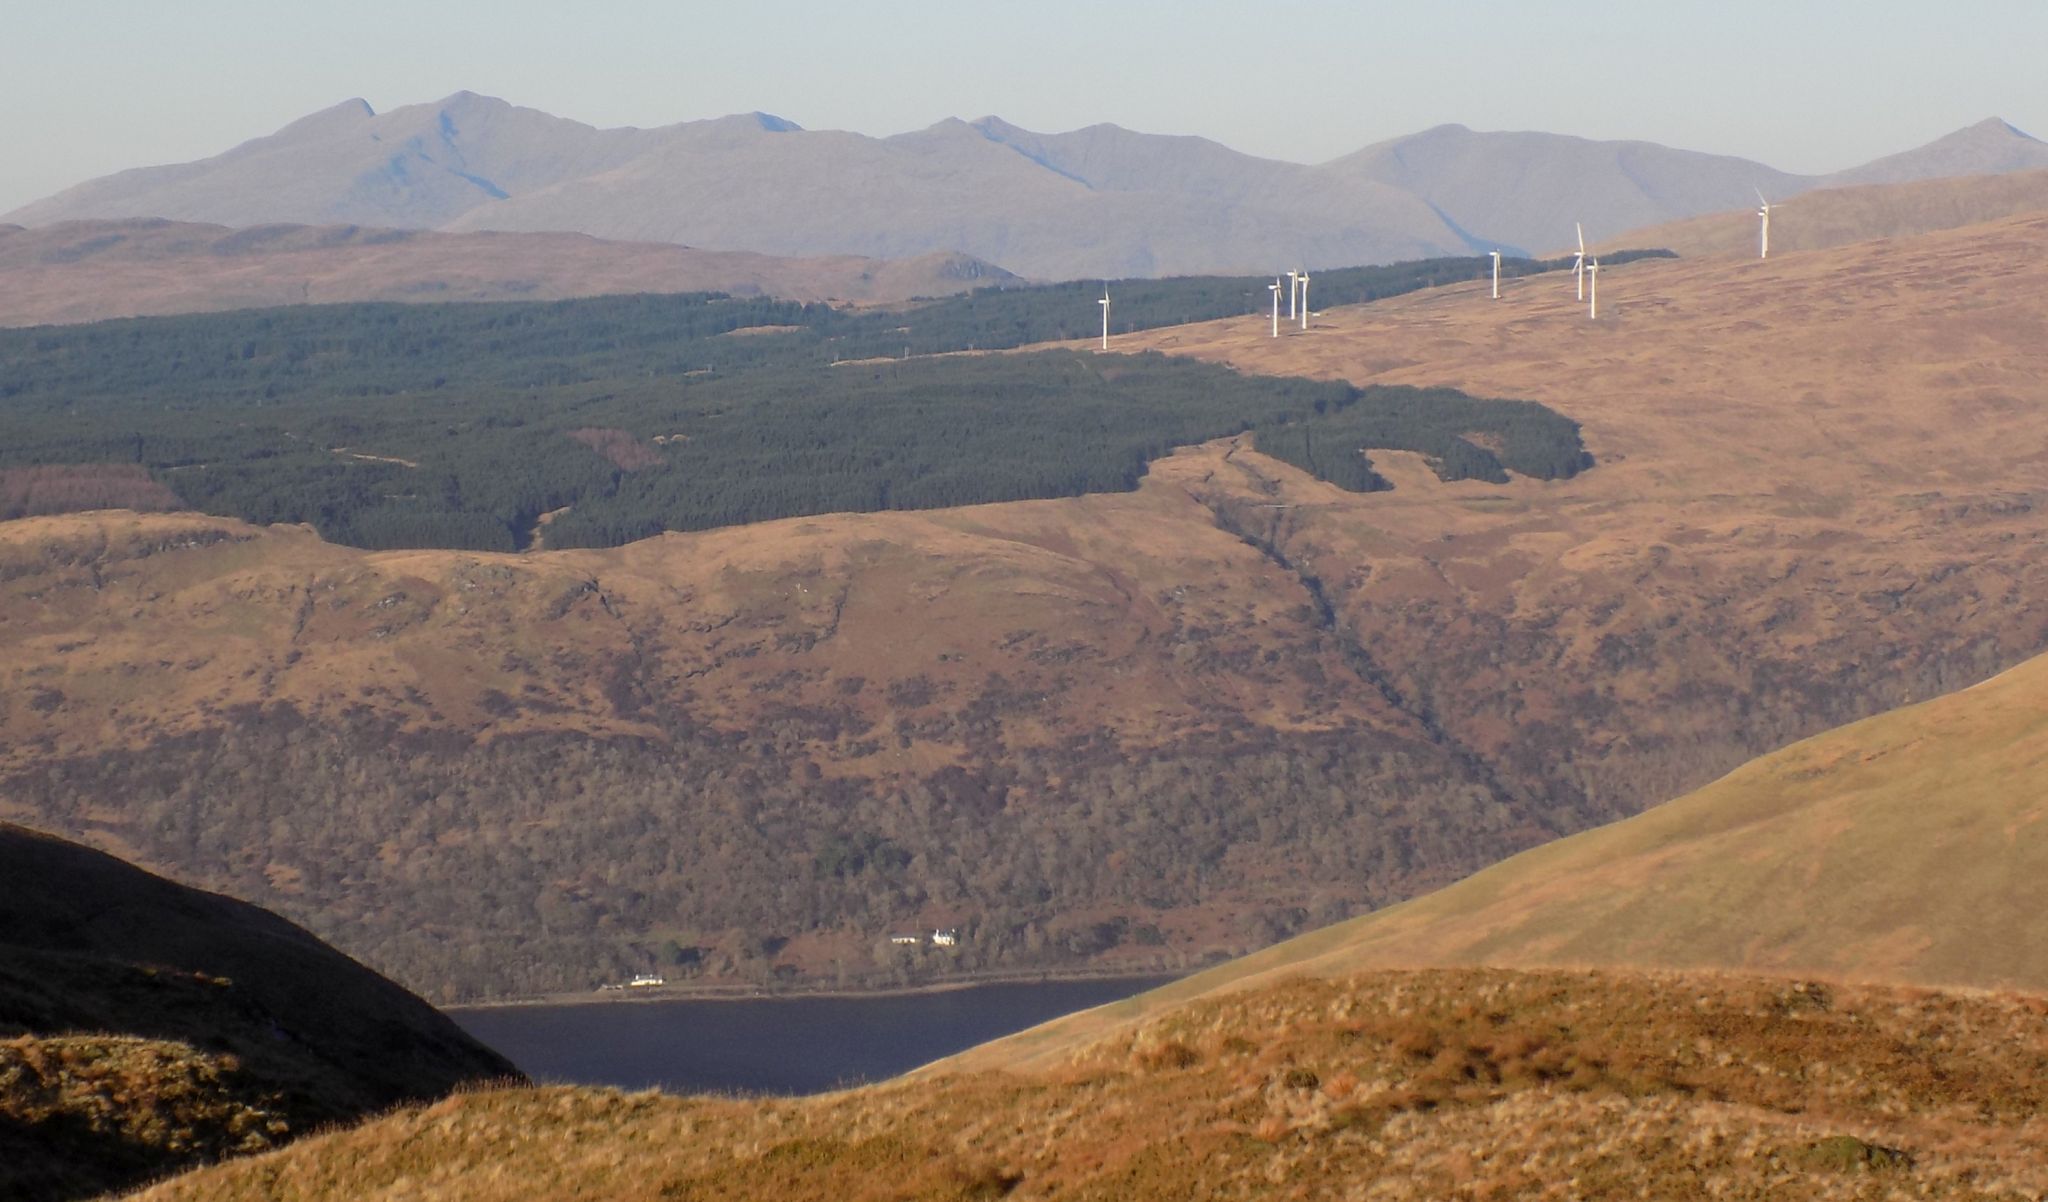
x=1095 y=201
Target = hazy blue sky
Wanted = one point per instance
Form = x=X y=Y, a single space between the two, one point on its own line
x=91 y=86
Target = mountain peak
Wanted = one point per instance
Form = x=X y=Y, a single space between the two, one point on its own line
x=466 y=99
x=2001 y=127
x=748 y=123
x=993 y=126
x=1992 y=146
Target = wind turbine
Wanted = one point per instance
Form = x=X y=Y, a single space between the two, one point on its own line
x=1579 y=262
x=1764 y=208
x=1293 y=290
x=1104 y=302
x=1593 y=289
x=1496 y=273
x=1274 y=288
x=1304 y=298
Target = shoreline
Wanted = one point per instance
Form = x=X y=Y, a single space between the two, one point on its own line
x=754 y=993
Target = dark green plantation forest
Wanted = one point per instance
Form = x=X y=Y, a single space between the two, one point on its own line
x=460 y=425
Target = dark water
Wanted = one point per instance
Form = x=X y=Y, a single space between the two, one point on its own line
x=772 y=1045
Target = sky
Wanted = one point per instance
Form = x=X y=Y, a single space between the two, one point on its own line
x=94 y=86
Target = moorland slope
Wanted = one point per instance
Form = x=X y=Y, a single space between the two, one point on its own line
x=93 y=270
x=1462 y=1083
x=1224 y=707
x=1831 y=217
x=146 y=1027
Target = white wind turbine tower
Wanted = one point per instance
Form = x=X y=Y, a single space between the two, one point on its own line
x=1293 y=291
x=1496 y=273
x=1579 y=262
x=1304 y=298
x=1593 y=289
x=1274 y=288
x=1104 y=302
x=1764 y=208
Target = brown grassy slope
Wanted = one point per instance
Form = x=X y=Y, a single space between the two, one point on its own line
x=1839 y=216
x=1908 y=848
x=146 y=1026
x=92 y=270
x=84 y=1114
x=1465 y=1084
x=140 y=627
x=1818 y=497
x=1794 y=455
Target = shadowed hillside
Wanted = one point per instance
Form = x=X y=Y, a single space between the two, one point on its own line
x=1432 y=1085
x=145 y=1027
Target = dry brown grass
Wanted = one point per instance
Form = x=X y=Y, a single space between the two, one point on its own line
x=1839 y=216
x=1441 y=1084
x=93 y=270
x=84 y=1113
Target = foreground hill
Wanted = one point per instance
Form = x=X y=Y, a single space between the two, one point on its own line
x=1132 y=729
x=1099 y=202
x=146 y=1027
x=92 y=270
x=1909 y=848
x=1390 y=1085
x=1838 y=216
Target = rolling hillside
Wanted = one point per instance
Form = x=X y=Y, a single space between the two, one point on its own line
x=147 y=1027
x=93 y=270
x=1281 y=702
x=1833 y=217
x=1430 y=1085
x=1098 y=202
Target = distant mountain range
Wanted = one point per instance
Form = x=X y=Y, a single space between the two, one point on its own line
x=1100 y=201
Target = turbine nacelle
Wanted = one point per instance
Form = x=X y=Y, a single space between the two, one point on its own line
x=1579 y=261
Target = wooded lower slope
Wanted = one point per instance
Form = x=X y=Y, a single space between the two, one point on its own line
x=1909 y=848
